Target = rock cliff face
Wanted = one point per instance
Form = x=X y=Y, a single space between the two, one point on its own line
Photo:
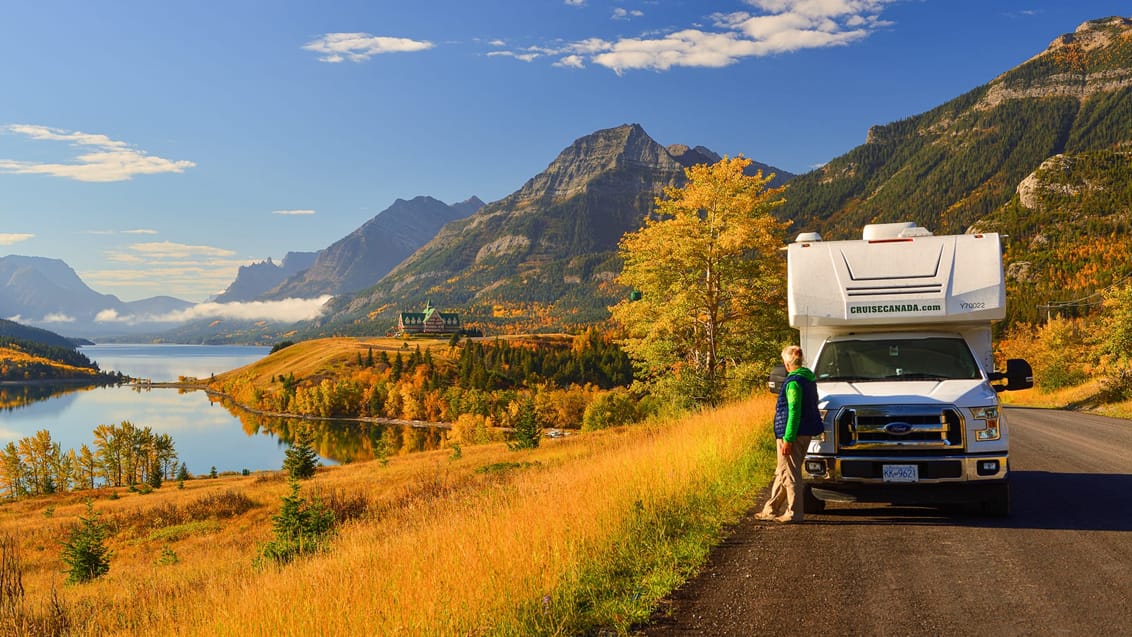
x=254 y=280
x=364 y=256
x=1091 y=59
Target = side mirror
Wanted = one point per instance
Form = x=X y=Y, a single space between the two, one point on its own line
x=1019 y=375
x=777 y=378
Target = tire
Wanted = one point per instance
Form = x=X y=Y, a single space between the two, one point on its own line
x=810 y=502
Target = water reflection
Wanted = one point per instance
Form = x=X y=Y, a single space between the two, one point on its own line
x=207 y=433
x=344 y=441
x=16 y=396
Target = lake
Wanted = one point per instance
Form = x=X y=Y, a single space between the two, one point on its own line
x=206 y=432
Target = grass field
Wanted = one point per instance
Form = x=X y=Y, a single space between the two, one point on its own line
x=585 y=532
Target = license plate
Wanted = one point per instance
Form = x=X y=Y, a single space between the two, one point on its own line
x=901 y=473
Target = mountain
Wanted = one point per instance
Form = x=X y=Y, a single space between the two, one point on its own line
x=11 y=329
x=961 y=161
x=542 y=257
x=360 y=259
x=47 y=292
x=255 y=280
x=1042 y=154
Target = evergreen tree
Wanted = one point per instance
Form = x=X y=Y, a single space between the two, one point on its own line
x=301 y=460
x=528 y=429
x=183 y=473
x=154 y=477
x=398 y=367
x=300 y=527
x=84 y=550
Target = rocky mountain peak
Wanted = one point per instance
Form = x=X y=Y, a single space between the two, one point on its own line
x=1096 y=58
x=590 y=157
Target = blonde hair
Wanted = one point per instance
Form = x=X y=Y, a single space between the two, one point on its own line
x=792 y=355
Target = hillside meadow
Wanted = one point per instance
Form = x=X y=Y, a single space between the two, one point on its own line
x=584 y=533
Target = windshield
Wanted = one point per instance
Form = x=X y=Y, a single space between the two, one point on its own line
x=935 y=358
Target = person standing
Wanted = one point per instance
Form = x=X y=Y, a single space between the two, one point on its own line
x=796 y=420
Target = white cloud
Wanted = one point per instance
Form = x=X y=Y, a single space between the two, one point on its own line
x=292 y=212
x=158 y=268
x=109 y=160
x=9 y=238
x=771 y=27
x=571 y=61
x=359 y=47
x=169 y=249
x=576 y=3
x=112 y=232
x=523 y=56
x=58 y=317
x=285 y=311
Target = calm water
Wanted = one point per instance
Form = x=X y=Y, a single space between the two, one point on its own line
x=205 y=433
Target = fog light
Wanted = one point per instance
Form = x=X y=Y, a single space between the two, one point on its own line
x=815 y=467
x=988 y=467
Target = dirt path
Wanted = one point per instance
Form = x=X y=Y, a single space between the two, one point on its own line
x=1060 y=565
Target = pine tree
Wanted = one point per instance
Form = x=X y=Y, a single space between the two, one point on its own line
x=84 y=551
x=301 y=460
x=300 y=527
x=528 y=429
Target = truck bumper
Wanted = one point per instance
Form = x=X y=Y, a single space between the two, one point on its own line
x=933 y=479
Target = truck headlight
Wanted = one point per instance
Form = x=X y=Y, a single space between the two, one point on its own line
x=821 y=437
x=989 y=415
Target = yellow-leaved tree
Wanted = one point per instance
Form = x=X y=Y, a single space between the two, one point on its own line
x=707 y=282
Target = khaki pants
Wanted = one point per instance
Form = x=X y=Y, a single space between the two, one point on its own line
x=786 y=498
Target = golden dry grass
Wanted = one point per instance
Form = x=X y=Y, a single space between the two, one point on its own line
x=447 y=546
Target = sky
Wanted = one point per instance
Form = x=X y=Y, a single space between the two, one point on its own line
x=155 y=147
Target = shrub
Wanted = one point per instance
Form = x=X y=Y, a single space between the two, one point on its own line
x=84 y=551
x=301 y=527
x=613 y=408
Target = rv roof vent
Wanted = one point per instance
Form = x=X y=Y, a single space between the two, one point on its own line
x=916 y=232
x=880 y=231
x=808 y=237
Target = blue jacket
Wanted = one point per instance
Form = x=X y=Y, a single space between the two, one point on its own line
x=796 y=413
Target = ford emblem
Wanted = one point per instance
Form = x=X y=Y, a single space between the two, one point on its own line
x=898 y=428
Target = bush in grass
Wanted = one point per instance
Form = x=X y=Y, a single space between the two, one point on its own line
x=613 y=408
x=84 y=550
x=301 y=527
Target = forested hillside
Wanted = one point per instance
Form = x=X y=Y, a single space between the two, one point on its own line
x=22 y=360
x=962 y=161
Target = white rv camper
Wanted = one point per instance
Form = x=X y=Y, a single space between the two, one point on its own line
x=897 y=329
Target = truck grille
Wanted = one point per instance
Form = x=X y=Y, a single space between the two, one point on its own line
x=899 y=429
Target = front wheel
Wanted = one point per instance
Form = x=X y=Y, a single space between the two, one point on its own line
x=810 y=502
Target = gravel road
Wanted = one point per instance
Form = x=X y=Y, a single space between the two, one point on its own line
x=1061 y=564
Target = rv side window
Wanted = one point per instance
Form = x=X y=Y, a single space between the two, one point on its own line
x=935 y=358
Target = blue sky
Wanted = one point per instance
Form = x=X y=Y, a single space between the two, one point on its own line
x=157 y=146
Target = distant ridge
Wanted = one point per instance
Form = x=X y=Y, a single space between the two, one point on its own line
x=360 y=259
x=47 y=292
x=11 y=329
